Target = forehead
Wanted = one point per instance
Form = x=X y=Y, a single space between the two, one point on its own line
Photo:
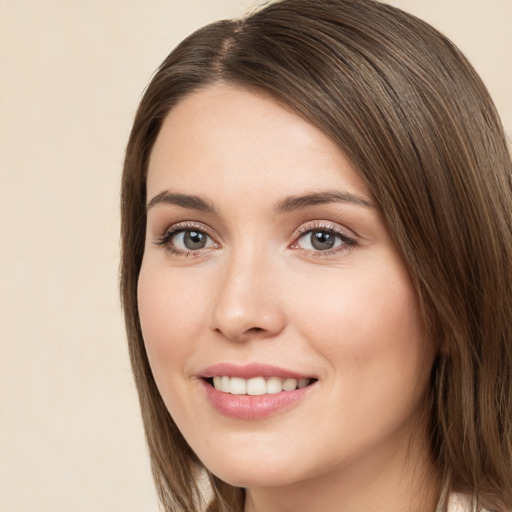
x=244 y=142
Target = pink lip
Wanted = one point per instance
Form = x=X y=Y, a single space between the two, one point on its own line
x=249 y=371
x=248 y=407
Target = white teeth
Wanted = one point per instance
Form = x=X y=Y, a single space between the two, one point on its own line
x=238 y=386
x=225 y=385
x=289 y=384
x=274 y=385
x=303 y=383
x=257 y=385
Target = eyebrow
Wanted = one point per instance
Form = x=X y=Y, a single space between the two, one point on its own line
x=184 y=200
x=287 y=204
x=291 y=203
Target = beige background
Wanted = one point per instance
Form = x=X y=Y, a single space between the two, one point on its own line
x=71 y=74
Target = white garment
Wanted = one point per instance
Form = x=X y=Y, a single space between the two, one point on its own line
x=461 y=503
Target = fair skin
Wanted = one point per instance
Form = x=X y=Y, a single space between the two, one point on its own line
x=238 y=271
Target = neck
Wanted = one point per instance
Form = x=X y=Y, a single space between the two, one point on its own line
x=401 y=480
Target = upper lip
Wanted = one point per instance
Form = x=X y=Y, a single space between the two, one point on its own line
x=248 y=371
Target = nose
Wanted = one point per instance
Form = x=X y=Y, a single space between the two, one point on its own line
x=247 y=304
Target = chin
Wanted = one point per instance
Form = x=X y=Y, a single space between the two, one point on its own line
x=249 y=474
x=251 y=480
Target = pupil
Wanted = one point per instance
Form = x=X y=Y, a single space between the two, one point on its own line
x=194 y=240
x=322 y=240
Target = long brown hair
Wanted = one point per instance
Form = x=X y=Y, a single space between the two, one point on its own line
x=418 y=125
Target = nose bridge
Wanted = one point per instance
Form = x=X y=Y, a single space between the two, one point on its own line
x=247 y=303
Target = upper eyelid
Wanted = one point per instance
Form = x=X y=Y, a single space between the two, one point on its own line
x=324 y=225
x=188 y=225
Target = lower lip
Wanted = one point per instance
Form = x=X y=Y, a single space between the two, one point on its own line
x=248 y=407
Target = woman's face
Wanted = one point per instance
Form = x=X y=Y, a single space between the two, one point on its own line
x=280 y=322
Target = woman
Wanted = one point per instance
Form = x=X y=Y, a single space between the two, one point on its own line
x=316 y=273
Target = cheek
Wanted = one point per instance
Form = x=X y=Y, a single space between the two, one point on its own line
x=367 y=325
x=169 y=313
x=369 y=331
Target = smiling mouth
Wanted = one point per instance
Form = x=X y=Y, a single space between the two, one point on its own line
x=257 y=385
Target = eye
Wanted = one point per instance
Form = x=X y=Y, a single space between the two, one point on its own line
x=191 y=240
x=183 y=240
x=322 y=240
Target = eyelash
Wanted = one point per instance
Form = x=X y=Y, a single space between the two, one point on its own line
x=348 y=240
x=166 y=238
